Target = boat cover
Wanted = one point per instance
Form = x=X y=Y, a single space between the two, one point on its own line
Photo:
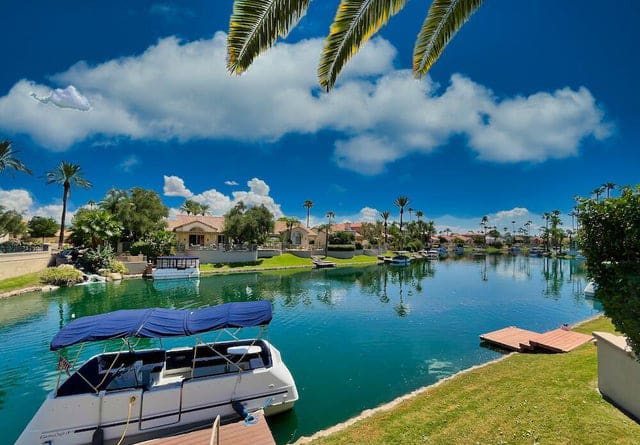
x=159 y=322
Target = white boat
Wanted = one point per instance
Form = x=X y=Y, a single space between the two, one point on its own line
x=590 y=289
x=433 y=254
x=176 y=267
x=401 y=260
x=140 y=395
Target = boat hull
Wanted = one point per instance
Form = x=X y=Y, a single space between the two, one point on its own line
x=176 y=274
x=149 y=413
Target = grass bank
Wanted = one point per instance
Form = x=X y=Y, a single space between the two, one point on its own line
x=284 y=261
x=523 y=399
x=20 y=282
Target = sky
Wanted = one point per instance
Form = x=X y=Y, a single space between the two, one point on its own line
x=531 y=104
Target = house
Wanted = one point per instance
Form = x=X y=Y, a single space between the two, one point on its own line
x=197 y=231
x=354 y=228
x=301 y=237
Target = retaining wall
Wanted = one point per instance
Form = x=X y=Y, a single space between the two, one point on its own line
x=16 y=264
x=221 y=256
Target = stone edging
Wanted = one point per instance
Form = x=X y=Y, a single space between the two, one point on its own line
x=13 y=293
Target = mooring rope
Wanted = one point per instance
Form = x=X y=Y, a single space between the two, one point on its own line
x=132 y=401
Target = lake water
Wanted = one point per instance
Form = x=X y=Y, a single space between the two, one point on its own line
x=353 y=338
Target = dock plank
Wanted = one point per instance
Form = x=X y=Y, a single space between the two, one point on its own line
x=512 y=338
x=561 y=340
x=238 y=433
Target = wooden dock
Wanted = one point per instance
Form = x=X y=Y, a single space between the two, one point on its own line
x=238 y=433
x=321 y=264
x=521 y=340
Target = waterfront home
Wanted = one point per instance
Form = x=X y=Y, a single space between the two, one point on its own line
x=301 y=237
x=197 y=231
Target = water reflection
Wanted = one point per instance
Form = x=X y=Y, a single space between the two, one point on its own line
x=329 y=325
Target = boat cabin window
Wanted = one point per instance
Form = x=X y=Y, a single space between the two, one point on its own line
x=177 y=262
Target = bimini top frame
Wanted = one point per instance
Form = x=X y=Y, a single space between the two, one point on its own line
x=159 y=323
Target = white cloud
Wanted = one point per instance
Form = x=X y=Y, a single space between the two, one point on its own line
x=19 y=200
x=369 y=214
x=69 y=98
x=23 y=202
x=129 y=163
x=219 y=203
x=182 y=91
x=231 y=183
x=174 y=186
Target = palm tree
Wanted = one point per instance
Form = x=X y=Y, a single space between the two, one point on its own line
x=528 y=226
x=330 y=215
x=597 y=191
x=401 y=202
x=410 y=210
x=204 y=209
x=255 y=25
x=419 y=214
x=546 y=216
x=385 y=216
x=307 y=205
x=8 y=159
x=190 y=207
x=608 y=186
x=66 y=174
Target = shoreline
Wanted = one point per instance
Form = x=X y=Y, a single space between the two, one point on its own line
x=389 y=406
x=49 y=288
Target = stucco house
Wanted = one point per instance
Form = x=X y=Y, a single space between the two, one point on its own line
x=301 y=236
x=197 y=231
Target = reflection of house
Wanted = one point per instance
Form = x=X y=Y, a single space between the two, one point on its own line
x=197 y=230
x=301 y=236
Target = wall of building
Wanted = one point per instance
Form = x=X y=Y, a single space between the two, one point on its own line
x=220 y=256
x=16 y=264
x=618 y=373
x=340 y=254
x=268 y=253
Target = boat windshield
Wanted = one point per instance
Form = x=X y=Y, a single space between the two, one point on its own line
x=177 y=262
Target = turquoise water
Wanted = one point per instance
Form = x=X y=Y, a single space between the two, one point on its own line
x=352 y=337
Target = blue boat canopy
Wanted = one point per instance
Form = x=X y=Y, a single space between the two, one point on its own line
x=159 y=322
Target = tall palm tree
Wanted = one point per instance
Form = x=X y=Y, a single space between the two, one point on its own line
x=401 y=202
x=597 y=191
x=255 y=25
x=385 y=216
x=204 y=209
x=330 y=215
x=66 y=174
x=528 y=226
x=419 y=214
x=546 y=216
x=410 y=210
x=608 y=186
x=8 y=159
x=307 y=205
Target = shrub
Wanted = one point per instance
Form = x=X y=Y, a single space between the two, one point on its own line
x=359 y=245
x=95 y=259
x=341 y=237
x=341 y=247
x=64 y=275
x=414 y=245
x=118 y=267
x=610 y=241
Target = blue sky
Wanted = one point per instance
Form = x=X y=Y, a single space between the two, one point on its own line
x=531 y=104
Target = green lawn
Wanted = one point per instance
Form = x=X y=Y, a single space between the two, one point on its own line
x=22 y=281
x=524 y=399
x=281 y=261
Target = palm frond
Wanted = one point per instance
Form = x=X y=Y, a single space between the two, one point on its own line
x=255 y=25
x=444 y=19
x=355 y=22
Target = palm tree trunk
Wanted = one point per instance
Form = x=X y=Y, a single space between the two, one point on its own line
x=65 y=195
x=308 y=210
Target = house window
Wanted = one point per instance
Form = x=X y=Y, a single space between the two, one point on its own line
x=220 y=239
x=196 y=239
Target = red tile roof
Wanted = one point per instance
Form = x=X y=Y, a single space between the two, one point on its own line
x=215 y=222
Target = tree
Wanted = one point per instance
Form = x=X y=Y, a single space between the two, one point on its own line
x=204 y=209
x=307 y=205
x=608 y=186
x=41 y=227
x=253 y=225
x=330 y=215
x=8 y=159
x=385 y=216
x=609 y=236
x=11 y=223
x=255 y=25
x=191 y=207
x=66 y=174
x=154 y=244
x=94 y=228
x=401 y=202
x=410 y=210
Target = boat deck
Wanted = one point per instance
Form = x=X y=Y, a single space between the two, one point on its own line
x=238 y=433
x=521 y=340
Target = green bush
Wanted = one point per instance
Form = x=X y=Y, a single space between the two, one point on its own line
x=341 y=238
x=118 y=267
x=359 y=245
x=341 y=247
x=64 y=275
x=95 y=259
x=610 y=240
